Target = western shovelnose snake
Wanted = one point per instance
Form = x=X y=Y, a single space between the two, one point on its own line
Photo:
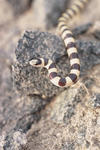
x=71 y=48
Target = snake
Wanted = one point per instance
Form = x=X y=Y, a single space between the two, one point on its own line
x=71 y=48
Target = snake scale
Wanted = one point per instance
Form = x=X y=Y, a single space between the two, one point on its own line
x=71 y=48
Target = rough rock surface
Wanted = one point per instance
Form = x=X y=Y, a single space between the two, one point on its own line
x=69 y=121
x=17 y=114
x=39 y=44
x=72 y=123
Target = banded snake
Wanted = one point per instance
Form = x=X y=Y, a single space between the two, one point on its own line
x=71 y=48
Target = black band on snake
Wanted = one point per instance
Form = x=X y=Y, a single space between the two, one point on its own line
x=70 y=45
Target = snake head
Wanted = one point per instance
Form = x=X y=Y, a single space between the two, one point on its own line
x=36 y=62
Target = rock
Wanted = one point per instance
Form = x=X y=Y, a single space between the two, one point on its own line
x=17 y=113
x=20 y=6
x=19 y=118
x=64 y=110
x=81 y=29
x=97 y=34
x=49 y=11
x=88 y=81
x=39 y=44
x=15 y=140
x=70 y=145
x=89 y=53
x=31 y=80
x=69 y=122
x=96 y=100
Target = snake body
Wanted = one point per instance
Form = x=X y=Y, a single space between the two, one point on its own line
x=71 y=48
